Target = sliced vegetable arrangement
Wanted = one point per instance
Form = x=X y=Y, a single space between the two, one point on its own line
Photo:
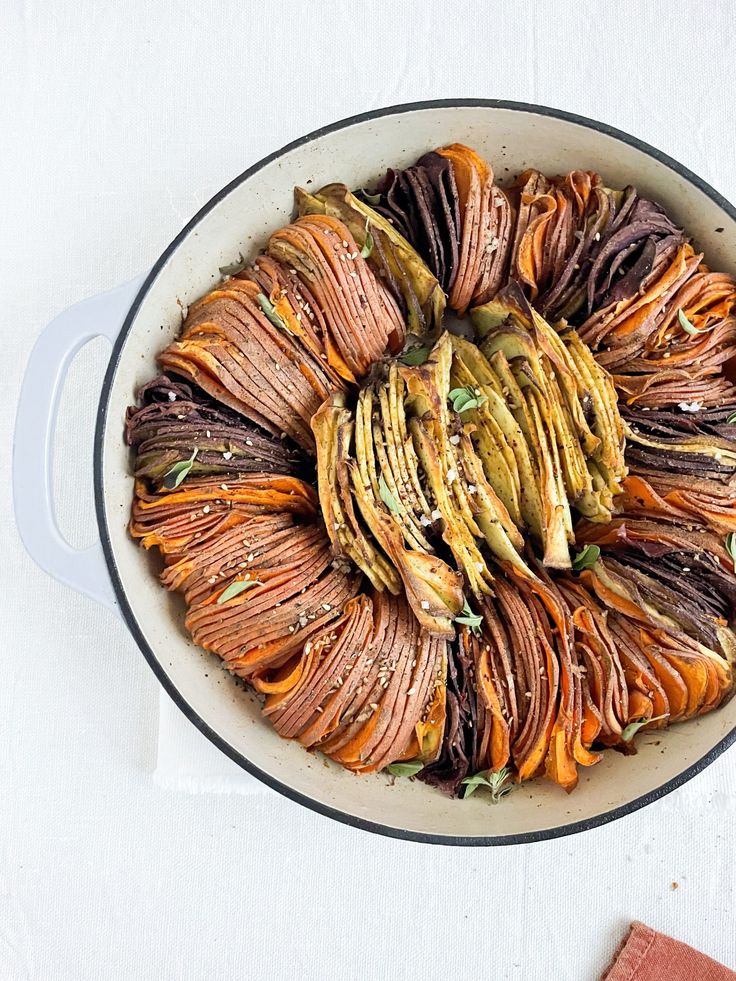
x=467 y=556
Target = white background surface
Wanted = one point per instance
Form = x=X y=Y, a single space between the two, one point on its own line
x=118 y=121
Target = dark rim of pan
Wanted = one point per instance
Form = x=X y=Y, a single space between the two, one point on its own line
x=133 y=626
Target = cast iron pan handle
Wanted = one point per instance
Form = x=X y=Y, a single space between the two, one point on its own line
x=82 y=569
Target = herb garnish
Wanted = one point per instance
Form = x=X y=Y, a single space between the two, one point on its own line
x=465 y=398
x=387 y=497
x=407 y=769
x=730 y=545
x=368 y=246
x=417 y=355
x=633 y=727
x=173 y=477
x=469 y=619
x=731 y=419
x=236 y=588
x=233 y=268
x=686 y=325
x=270 y=311
x=499 y=783
x=585 y=559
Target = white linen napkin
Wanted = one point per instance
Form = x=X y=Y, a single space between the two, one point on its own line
x=189 y=763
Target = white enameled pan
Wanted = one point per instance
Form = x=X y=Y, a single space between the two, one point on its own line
x=141 y=317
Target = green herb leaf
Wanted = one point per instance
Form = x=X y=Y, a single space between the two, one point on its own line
x=585 y=559
x=417 y=355
x=172 y=478
x=370 y=198
x=368 y=246
x=236 y=588
x=459 y=396
x=408 y=769
x=499 y=783
x=469 y=619
x=731 y=419
x=387 y=497
x=471 y=784
x=270 y=311
x=465 y=398
x=730 y=545
x=633 y=727
x=233 y=268
x=686 y=325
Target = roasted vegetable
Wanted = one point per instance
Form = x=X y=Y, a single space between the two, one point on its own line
x=472 y=556
x=174 y=422
x=230 y=348
x=564 y=406
x=360 y=315
x=204 y=507
x=368 y=691
x=448 y=207
x=397 y=265
x=422 y=204
x=294 y=583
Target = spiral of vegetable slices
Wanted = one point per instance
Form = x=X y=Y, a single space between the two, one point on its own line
x=366 y=691
x=360 y=315
x=448 y=208
x=204 y=507
x=396 y=263
x=232 y=349
x=470 y=559
x=172 y=421
x=686 y=455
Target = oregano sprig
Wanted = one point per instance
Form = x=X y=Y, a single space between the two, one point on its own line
x=236 y=588
x=586 y=558
x=233 y=268
x=499 y=783
x=415 y=355
x=387 y=497
x=367 y=246
x=270 y=310
x=469 y=619
x=409 y=768
x=686 y=325
x=173 y=477
x=730 y=546
x=633 y=727
x=465 y=398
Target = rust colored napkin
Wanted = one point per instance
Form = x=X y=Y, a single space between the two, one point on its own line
x=646 y=955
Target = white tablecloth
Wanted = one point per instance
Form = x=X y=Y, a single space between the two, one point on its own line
x=118 y=121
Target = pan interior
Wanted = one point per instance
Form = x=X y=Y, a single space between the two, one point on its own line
x=240 y=220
